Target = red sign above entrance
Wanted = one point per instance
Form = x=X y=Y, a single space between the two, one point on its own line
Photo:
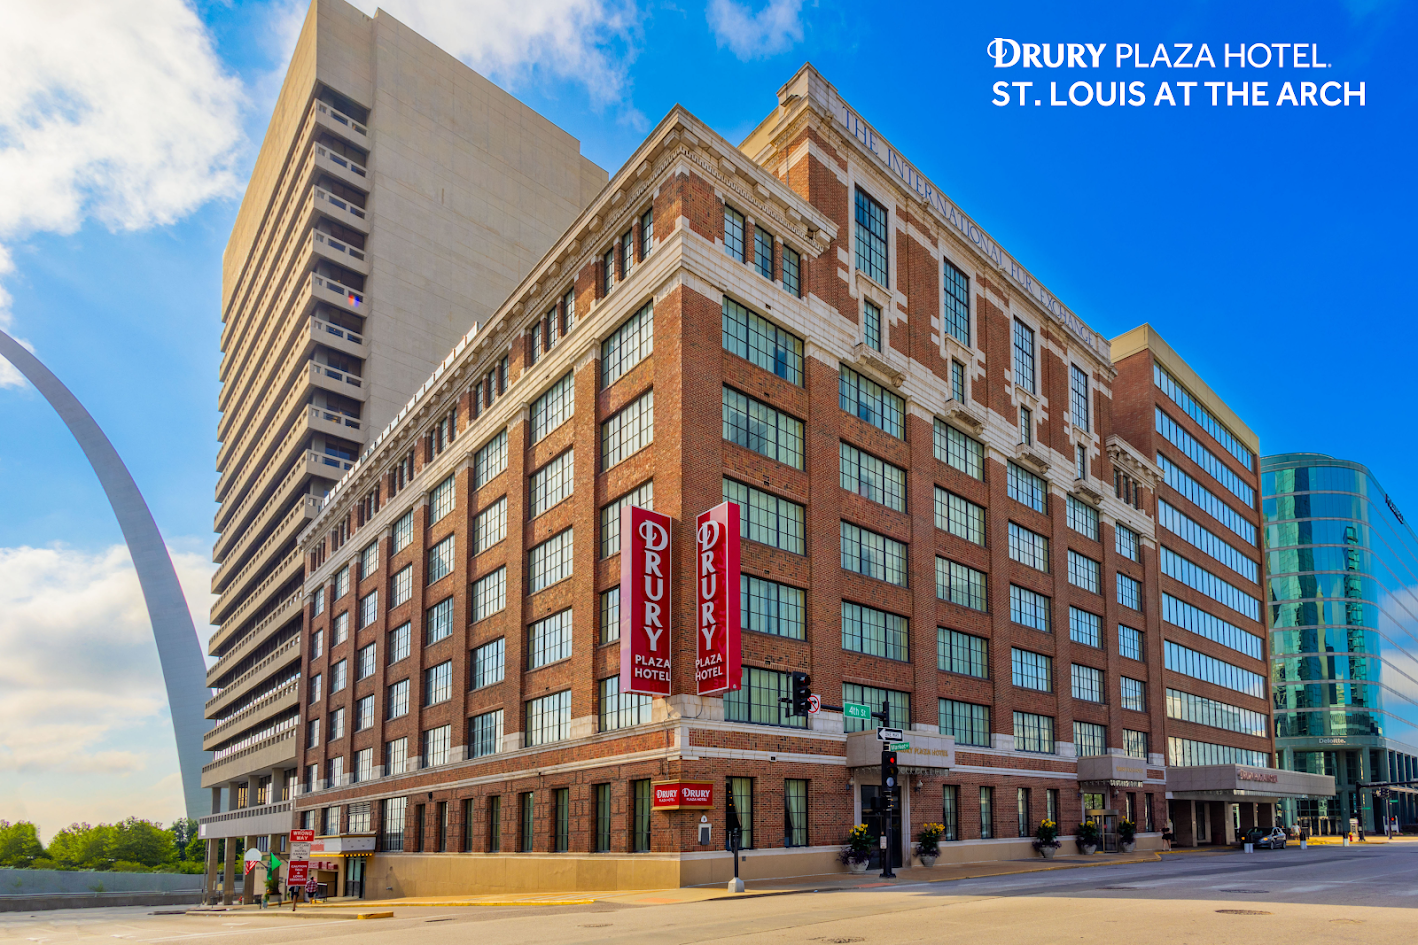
x=673 y=795
x=718 y=658
x=644 y=602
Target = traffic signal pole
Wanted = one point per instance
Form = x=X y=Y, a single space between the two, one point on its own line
x=888 y=800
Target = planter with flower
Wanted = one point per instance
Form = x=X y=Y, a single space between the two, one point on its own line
x=1127 y=835
x=928 y=843
x=1046 y=839
x=1088 y=837
x=857 y=853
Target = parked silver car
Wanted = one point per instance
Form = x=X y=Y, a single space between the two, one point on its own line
x=1269 y=838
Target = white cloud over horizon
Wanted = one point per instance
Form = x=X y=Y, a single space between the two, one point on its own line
x=81 y=688
x=751 y=34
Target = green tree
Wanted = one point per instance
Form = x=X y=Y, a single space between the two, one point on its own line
x=141 y=841
x=184 y=831
x=196 y=850
x=19 y=844
x=82 y=846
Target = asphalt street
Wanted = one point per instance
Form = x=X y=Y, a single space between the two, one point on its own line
x=1321 y=895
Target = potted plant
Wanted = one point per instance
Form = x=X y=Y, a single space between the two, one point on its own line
x=1087 y=837
x=1046 y=839
x=857 y=853
x=928 y=843
x=1127 y=835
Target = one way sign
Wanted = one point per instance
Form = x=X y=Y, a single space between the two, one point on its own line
x=889 y=735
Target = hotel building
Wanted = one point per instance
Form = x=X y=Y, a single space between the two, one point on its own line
x=1342 y=569
x=951 y=494
x=396 y=200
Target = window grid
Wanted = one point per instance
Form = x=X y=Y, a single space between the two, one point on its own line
x=957 y=382
x=1089 y=738
x=1206 y=500
x=958 y=652
x=1084 y=572
x=489 y=461
x=1028 y=548
x=898 y=706
x=1127 y=542
x=1190 y=707
x=1085 y=627
x=436 y=745
x=441 y=500
x=490 y=526
x=1029 y=608
x=956 y=314
x=1130 y=643
x=551 y=561
x=368 y=609
x=440 y=560
x=864 y=398
x=1134 y=693
x=733 y=233
x=549 y=640
x=1034 y=733
x=792 y=272
x=1078 y=395
x=754 y=425
x=489 y=663
x=1135 y=745
x=872 y=555
x=769 y=607
x=763 y=252
x=757 y=700
x=642 y=497
x=873 y=632
x=1082 y=517
x=621 y=710
x=1185 y=752
x=397 y=703
x=959 y=516
x=766 y=518
x=553 y=482
x=485 y=734
x=795 y=812
x=961 y=584
x=628 y=345
x=610 y=615
x=401 y=586
x=1030 y=670
x=399 y=642
x=1027 y=488
x=366 y=661
x=969 y=723
x=1026 y=426
x=369 y=560
x=959 y=451
x=1188 y=617
x=1204 y=417
x=1129 y=592
x=438 y=683
x=549 y=719
x=872 y=478
x=1207 y=541
x=1203 y=457
x=490 y=594
x=629 y=431
x=1199 y=579
x=1087 y=683
x=554 y=407
x=1188 y=662
x=871 y=237
x=759 y=341
x=1023 y=356
x=871 y=325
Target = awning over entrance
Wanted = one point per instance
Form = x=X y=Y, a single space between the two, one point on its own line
x=1098 y=771
x=925 y=751
x=1241 y=782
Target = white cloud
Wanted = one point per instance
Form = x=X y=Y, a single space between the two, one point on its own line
x=750 y=34
x=78 y=665
x=589 y=42
x=116 y=110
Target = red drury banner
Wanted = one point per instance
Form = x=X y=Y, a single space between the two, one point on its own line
x=674 y=795
x=718 y=659
x=644 y=602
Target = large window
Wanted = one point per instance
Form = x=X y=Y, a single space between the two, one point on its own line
x=621 y=710
x=1084 y=572
x=865 y=398
x=751 y=336
x=1027 y=488
x=871 y=325
x=1134 y=693
x=1204 y=417
x=1087 y=683
x=795 y=812
x=950 y=811
x=610 y=615
x=490 y=460
x=549 y=640
x=1033 y=733
x=640 y=816
x=1084 y=627
x=1200 y=579
x=397 y=702
x=956 y=314
x=629 y=431
x=1029 y=608
x=763 y=252
x=872 y=555
x=1178 y=612
x=1028 y=548
x=1189 y=662
x=1203 y=457
x=366 y=661
x=1078 y=395
x=1129 y=592
x=440 y=559
x=873 y=632
x=489 y=663
x=959 y=516
x=368 y=609
x=1190 y=707
x=766 y=518
x=438 y=620
x=733 y=233
x=961 y=584
x=489 y=594
x=441 y=500
x=1127 y=542
x=549 y=719
x=528 y=819
x=641 y=497
x=873 y=478
x=898 y=706
x=959 y=451
x=551 y=561
x=403 y=533
x=1184 y=752
x=490 y=526
x=1082 y=518
x=436 y=745
x=392 y=821
x=1089 y=738
x=1023 y=356
x=742 y=789
x=401 y=586
x=1031 y=670
x=553 y=482
x=1130 y=643
x=399 y=642
x=757 y=701
x=1206 y=500
x=1198 y=536
x=554 y=407
x=438 y=683
x=369 y=560
x=969 y=723
x=1135 y=746
x=485 y=734
x=871 y=237
x=958 y=652
x=755 y=425
x=987 y=813
x=792 y=272
x=769 y=607
x=602 y=794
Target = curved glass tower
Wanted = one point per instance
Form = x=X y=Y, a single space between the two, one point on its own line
x=1343 y=593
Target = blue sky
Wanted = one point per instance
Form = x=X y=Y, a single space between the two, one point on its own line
x=1267 y=245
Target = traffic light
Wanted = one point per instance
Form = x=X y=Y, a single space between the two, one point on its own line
x=889 y=773
x=802 y=693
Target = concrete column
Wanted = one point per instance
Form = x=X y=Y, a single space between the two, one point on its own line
x=228 y=870
x=209 y=873
x=1248 y=816
x=1265 y=813
x=1183 y=823
x=1221 y=830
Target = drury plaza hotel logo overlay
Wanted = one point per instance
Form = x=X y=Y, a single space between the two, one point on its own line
x=1179 y=75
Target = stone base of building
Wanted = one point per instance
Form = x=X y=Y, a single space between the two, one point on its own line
x=400 y=875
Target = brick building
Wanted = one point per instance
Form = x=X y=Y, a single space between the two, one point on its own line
x=943 y=505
